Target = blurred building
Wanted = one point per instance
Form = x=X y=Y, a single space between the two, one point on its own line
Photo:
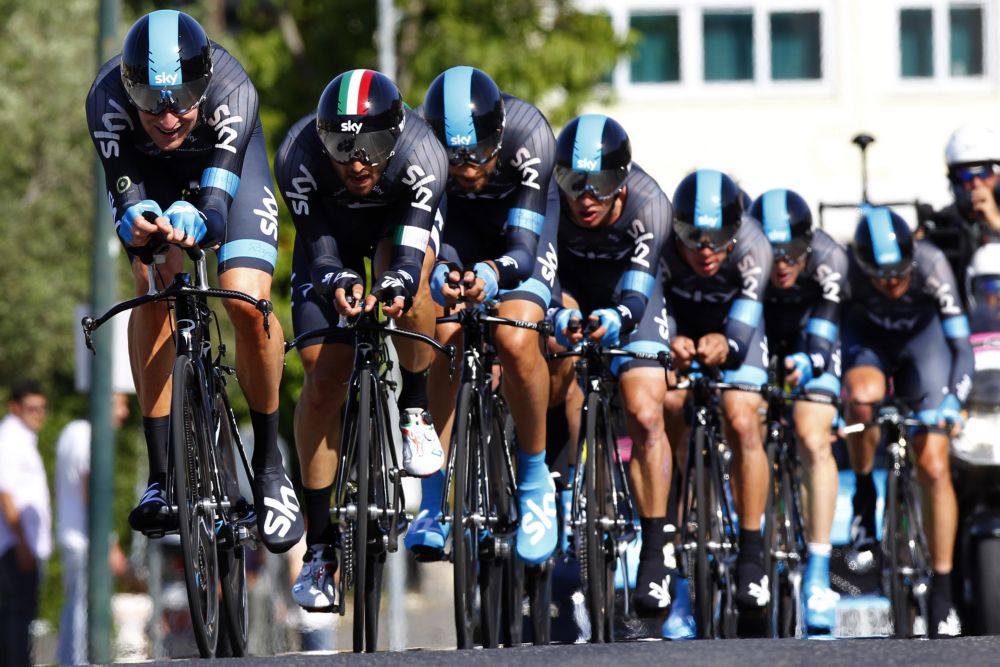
x=772 y=91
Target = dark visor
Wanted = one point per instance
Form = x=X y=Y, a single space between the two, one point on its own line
x=157 y=99
x=792 y=251
x=697 y=238
x=602 y=184
x=369 y=148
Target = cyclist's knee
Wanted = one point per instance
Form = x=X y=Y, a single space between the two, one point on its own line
x=744 y=421
x=518 y=350
x=933 y=468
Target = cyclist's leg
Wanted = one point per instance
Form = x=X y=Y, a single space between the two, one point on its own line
x=526 y=388
x=927 y=374
x=247 y=257
x=327 y=364
x=813 y=426
x=741 y=421
x=865 y=367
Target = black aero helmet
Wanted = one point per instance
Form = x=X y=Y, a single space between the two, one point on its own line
x=787 y=222
x=166 y=62
x=360 y=117
x=883 y=244
x=466 y=110
x=593 y=154
x=708 y=208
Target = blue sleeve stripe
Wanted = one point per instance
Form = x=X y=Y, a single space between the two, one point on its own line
x=530 y=220
x=213 y=177
x=249 y=248
x=638 y=281
x=746 y=311
x=823 y=328
x=956 y=327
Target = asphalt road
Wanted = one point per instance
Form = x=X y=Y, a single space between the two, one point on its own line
x=963 y=652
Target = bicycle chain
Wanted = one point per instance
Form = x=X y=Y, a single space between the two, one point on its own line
x=347 y=552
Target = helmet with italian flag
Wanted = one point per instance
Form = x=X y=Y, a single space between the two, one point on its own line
x=360 y=117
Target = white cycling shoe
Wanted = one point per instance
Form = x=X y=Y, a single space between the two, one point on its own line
x=314 y=588
x=422 y=451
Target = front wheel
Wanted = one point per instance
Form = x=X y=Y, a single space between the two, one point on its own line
x=599 y=567
x=464 y=533
x=196 y=513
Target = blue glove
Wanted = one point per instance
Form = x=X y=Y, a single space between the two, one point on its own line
x=561 y=321
x=185 y=217
x=803 y=364
x=125 y=225
x=489 y=276
x=439 y=277
x=611 y=320
x=950 y=410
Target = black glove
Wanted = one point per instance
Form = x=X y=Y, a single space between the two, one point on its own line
x=390 y=286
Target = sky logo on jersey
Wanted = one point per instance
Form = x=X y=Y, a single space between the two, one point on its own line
x=708 y=204
x=588 y=142
x=353 y=97
x=164 y=50
x=884 y=244
x=775 y=207
x=458 y=122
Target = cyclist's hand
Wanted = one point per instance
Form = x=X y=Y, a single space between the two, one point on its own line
x=135 y=228
x=798 y=369
x=684 y=351
x=390 y=290
x=609 y=327
x=480 y=284
x=567 y=327
x=187 y=224
x=949 y=413
x=984 y=205
x=712 y=349
x=347 y=283
x=445 y=287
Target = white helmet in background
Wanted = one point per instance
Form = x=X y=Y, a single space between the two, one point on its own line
x=970 y=144
x=982 y=278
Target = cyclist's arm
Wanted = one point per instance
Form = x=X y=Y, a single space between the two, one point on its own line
x=650 y=229
x=234 y=119
x=747 y=309
x=955 y=324
x=526 y=217
x=823 y=327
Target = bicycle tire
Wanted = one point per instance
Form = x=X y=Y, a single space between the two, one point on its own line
x=774 y=520
x=894 y=557
x=513 y=580
x=703 y=595
x=232 y=560
x=464 y=543
x=189 y=437
x=360 y=542
x=919 y=576
x=497 y=547
x=793 y=611
x=593 y=543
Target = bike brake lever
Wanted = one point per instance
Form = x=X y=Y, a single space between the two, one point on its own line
x=266 y=308
x=88 y=328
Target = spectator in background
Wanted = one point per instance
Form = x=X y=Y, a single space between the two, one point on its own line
x=72 y=500
x=973 y=158
x=25 y=523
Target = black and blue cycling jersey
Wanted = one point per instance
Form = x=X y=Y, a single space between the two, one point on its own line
x=221 y=167
x=730 y=302
x=921 y=338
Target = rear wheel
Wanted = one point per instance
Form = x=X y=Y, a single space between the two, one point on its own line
x=987 y=583
x=189 y=439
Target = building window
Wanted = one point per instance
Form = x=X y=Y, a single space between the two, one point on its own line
x=961 y=49
x=795 y=46
x=657 y=57
x=728 y=46
x=916 y=43
x=966 y=24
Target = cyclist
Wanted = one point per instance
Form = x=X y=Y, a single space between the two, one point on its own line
x=905 y=320
x=716 y=270
x=363 y=177
x=500 y=228
x=614 y=222
x=802 y=310
x=174 y=119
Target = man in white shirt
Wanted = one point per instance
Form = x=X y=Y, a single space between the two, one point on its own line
x=72 y=500
x=25 y=523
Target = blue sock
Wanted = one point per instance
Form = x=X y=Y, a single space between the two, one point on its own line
x=531 y=469
x=818 y=566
